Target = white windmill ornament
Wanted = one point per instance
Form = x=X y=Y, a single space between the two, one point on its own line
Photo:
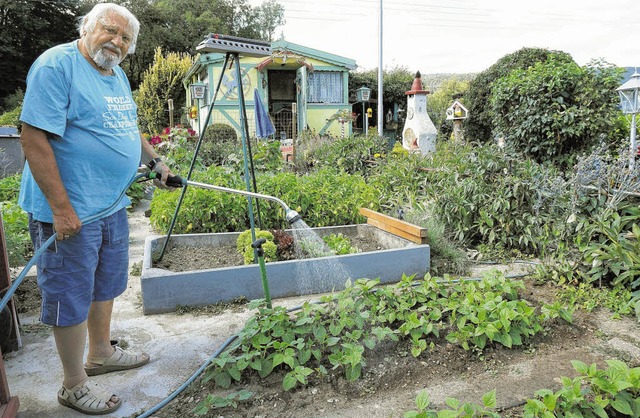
x=419 y=132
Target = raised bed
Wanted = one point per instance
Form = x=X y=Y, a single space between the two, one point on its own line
x=163 y=290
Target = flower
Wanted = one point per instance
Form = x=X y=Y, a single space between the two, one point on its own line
x=155 y=140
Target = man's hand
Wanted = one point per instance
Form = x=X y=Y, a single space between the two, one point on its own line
x=161 y=168
x=66 y=225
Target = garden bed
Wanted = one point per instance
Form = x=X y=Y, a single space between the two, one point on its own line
x=164 y=290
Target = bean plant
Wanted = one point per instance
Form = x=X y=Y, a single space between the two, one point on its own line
x=337 y=334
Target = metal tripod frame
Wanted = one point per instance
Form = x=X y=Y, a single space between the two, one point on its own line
x=249 y=173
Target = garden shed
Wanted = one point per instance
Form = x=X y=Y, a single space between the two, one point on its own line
x=302 y=88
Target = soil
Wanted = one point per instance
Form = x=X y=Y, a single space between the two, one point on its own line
x=392 y=377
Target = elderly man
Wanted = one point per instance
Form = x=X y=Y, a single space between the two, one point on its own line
x=81 y=141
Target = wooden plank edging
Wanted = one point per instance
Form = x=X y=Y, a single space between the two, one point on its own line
x=395 y=226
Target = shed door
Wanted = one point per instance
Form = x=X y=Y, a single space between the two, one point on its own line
x=301 y=98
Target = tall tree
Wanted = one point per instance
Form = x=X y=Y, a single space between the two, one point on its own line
x=32 y=26
x=29 y=27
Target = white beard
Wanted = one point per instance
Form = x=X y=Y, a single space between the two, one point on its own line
x=107 y=60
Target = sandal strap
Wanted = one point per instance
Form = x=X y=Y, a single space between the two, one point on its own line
x=119 y=357
x=83 y=398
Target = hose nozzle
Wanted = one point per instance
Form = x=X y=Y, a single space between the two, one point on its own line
x=292 y=216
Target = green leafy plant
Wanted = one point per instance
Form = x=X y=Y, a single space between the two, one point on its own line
x=618 y=299
x=323 y=198
x=614 y=391
x=16 y=232
x=11 y=118
x=177 y=146
x=244 y=241
x=612 y=247
x=10 y=188
x=231 y=399
x=355 y=154
x=340 y=244
x=458 y=409
x=203 y=210
x=220 y=145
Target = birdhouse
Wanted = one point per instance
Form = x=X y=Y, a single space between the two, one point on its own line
x=363 y=94
x=457 y=111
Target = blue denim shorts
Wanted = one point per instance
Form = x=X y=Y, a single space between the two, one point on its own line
x=90 y=266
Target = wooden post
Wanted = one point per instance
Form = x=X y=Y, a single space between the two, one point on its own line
x=8 y=404
x=170 y=103
x=294 y=131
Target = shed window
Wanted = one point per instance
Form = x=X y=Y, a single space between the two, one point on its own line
x=325 y=87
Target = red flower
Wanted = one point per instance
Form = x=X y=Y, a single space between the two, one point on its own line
x=155 y=140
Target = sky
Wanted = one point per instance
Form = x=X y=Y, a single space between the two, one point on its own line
x=463 y=36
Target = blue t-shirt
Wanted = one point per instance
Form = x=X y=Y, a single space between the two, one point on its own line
x=92 y=126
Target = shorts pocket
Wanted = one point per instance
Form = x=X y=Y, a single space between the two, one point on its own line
x=50 y=260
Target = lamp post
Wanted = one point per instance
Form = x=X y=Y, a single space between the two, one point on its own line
x=630 y=103
x=362 y=95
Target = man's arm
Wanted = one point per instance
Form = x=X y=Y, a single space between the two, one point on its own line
x=44 y=168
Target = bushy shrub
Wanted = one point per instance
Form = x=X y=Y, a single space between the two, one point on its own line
x=203 y=210
x=355 y=154
x=322 y=198
x=555 y=108
x=478 y=126
x=11 y=118
x=10 y=187
x=221 y=132
x=162 y=81
x=16 y=229
x=267 y=156
x=219 y=143
x=610 y=247
x=439 y=101
x=399 y=179
x=489 y=196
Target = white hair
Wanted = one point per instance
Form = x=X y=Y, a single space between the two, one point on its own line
x=87 y=23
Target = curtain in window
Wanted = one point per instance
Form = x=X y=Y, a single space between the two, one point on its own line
x=325 y=87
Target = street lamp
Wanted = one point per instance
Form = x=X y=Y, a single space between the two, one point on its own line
x=630 y=103
x=362 y=95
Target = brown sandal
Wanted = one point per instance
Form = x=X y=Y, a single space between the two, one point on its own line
x=82 y=399
x=119 y=360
